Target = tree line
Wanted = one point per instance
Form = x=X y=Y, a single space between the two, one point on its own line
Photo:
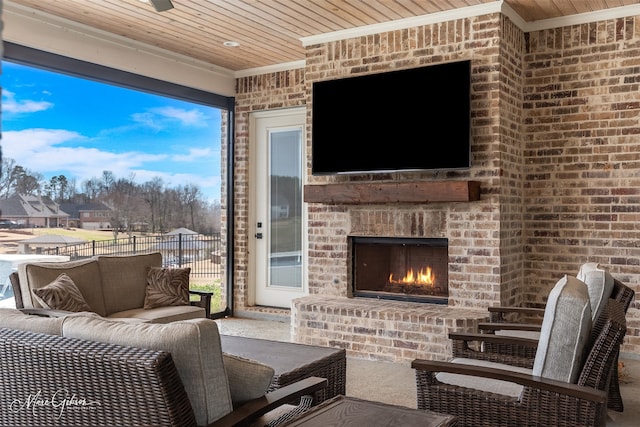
x=152 y=205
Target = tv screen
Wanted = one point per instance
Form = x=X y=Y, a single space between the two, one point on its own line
x=414 y=119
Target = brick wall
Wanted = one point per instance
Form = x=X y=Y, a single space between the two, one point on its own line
x=582 y=155
x=555 y=146
x=511 y=164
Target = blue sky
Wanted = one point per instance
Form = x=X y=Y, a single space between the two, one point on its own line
x=56 y=124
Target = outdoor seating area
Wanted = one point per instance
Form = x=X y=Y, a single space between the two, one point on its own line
x=386 y=385
x=556 y=371
x=278 y=238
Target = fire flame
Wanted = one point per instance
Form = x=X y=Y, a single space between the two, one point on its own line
x=422 y=277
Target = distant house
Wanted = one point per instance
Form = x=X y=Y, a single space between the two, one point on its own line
x=88 y=216
x=182 y=230
x=32 y=211
x=186 y=250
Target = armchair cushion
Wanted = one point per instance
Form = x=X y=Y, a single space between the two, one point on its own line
x=599 y=284
x=16 y=319
x=248 y=379
x=61 y=294
x=565 y=331
x=166 y=287
x=485 y=384
x=194 y=346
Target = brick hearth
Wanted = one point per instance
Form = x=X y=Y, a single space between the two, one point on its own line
x=381 y=329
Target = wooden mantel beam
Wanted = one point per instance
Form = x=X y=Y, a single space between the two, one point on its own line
x=393 y=192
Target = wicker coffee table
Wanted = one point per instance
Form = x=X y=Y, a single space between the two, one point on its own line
x=293 y=362
x=349 y=411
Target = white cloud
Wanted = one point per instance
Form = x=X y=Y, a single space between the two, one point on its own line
x=165 y=117
x=39 y=150
x=147 y=119
x=11 y=105
x=194 y=154
x=30 y=141
x=185 y=117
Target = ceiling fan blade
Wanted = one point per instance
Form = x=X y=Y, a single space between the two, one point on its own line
x=161 y=5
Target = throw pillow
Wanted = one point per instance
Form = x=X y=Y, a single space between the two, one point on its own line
x=61 y=294
x=599 y=284
x=248 y=379
x=565 y=331
x=167 y=286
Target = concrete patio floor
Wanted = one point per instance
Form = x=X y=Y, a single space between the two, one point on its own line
x=394 y=383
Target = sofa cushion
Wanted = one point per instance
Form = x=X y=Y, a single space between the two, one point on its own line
x=194 y=346
x=166 y=287
x=124 y=280
x=248 y=379
x=490 y=385
x=84 y=273
x=565 y=331
x=599 y=284
x=162 y=314
x=61 y=294
x=15 y=319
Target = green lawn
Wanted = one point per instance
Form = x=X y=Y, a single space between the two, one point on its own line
x=216 y=299
x=78 y=233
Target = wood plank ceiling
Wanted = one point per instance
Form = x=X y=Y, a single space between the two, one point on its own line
x=268 y=31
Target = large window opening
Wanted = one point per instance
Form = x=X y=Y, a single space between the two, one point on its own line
x=120 y=158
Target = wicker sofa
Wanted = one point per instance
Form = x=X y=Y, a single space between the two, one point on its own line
x=112 y=286
x=84 y=370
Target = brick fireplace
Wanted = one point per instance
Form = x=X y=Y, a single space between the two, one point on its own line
x=465 y=208
x=369 y=321
x=399 y=269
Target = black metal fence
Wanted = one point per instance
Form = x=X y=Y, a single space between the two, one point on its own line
x=201 y=253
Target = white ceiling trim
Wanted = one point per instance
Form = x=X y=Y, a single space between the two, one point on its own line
x=583 y=18
x=285 y=66
x=401 y=24
x=514 y=17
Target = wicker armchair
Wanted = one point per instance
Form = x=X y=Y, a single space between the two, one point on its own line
x=52 y=380
x=529 y=318
x=524 y=322
x=539 y=401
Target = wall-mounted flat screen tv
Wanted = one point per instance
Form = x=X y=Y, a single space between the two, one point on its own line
x=405 y=120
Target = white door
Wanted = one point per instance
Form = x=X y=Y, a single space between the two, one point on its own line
x=277 y=251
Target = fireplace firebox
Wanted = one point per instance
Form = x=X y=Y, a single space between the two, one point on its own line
x=407 y=269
